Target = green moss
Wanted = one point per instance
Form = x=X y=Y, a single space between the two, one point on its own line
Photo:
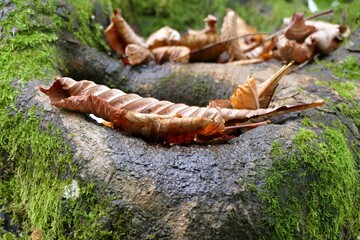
x=349 y=72
x=88 y=30
x=307 y=122
x=345 y=89
x=350 y=110
x=312 y=191
x=36 y=164
x=348 y=69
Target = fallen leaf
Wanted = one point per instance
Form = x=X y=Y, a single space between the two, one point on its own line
x=234 y=26
x=113 y=39
x=172 y=54
x=153 y=119
x=289 y=50
x=246 y=95
x=328 y=39
x=195 y=39
x=297 y=29
x=165 y=36
x=251 y=96
x=267 y=88
x=136 y=54
x=125 y=33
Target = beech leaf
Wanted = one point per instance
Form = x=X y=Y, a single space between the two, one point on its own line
x=267 y=88
x=196 y=39
x=246 y=96
x=165 y=36
x=125 y=33
x=136 y=54
x=157 y=120
x=113 y=39
x=290 y=50
x=172 y=54
x=234 y=26
x=297 y=29
x=329 y=39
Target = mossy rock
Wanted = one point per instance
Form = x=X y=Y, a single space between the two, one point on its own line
x=294 y=179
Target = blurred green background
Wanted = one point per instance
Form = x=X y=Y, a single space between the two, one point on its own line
x=147 y=16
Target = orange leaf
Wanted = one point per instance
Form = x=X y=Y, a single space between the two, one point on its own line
x=267 y=88
x=246 y=96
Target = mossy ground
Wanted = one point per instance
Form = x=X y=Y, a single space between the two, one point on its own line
x=312 y=189
x=345 y=81
x=36 y=164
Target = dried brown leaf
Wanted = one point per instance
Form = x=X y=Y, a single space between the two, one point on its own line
x=136 y=54
x=328 y=39
x=267 y=88
x=165 y=36
x=194 y=39
x=235 y=116
x=125 y=32
x=172 y=54
x=219 y=103
x=154 y=119
x=297 y=29
x=233 y=26
x=290 y=50
x=246 y=95
x=113 y=39
x=208 y=53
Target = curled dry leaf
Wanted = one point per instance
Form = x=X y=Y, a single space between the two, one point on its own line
x=113 y=39
x=194 y=39
x=246 y=96
x=262 y=51
x=251 y=96
x=229 y=30
x=297 y=29
x=329 y=39
x=219 y=103
x=157 y=120
x=326 y=37
x=234 y=26
x=125 y=33
x=290 y=50
x=208 y=53
x=136 y=54
x=165 y=36
x=172 y=54
x=267 y=88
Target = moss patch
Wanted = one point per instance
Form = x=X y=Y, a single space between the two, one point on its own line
x=84 y=25
x=348 y=71
x=36 y=164
x=312 y=191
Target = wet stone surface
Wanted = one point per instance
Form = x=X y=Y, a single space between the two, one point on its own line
x=187 y=192
x=178 y=187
